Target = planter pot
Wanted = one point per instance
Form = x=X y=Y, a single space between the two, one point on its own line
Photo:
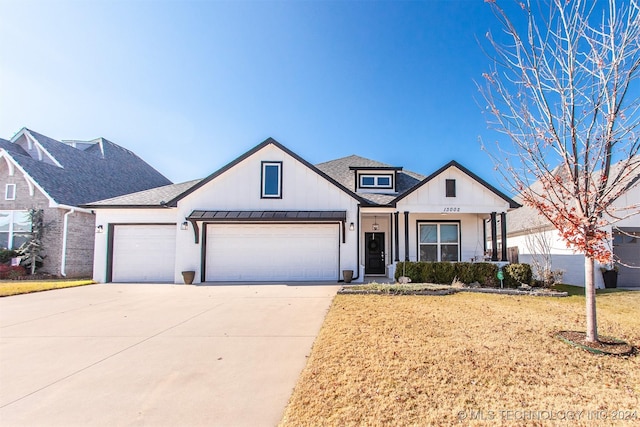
x=347 y=275
x=610 y=278
x=188 y=277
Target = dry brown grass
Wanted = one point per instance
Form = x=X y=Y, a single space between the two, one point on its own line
x=424 y=360
x=17 y=287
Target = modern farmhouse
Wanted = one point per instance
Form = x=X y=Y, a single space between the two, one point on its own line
x=270 y=215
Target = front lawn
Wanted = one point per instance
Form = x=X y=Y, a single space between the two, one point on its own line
x=457 y=359
x=16 y=287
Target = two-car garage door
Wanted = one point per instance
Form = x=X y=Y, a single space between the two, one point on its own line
x=272 y=252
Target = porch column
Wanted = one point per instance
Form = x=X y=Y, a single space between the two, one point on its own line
x=396 y=230
x=494 y=238
x=503 y=234
x=406 y=235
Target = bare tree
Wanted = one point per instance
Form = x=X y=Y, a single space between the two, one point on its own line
x=564 y=89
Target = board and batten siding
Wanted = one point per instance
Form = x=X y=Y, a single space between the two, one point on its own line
x=239 y=189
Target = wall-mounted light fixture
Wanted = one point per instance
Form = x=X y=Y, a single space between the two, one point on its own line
x=352 y=227
x=375 y=225
x=184 y=226
x=99 y=229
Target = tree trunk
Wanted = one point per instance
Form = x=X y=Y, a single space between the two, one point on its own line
x=590 y=293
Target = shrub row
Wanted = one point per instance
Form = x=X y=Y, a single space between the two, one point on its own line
x=11 y=272
x=484 y=273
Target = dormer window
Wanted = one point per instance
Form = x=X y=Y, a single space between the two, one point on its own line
x=376 y=181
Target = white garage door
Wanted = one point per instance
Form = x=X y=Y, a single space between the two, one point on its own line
x=272 y=252
x=626 y=247
x=144 y=253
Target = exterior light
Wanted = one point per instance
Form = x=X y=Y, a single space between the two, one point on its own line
x=375 y=224
x=99 y=229
x=352 y=227
x=184 y=226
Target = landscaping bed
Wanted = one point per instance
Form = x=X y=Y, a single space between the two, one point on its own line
x=17 y=287
x=435 y=289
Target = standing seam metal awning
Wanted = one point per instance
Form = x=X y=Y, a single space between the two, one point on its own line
x=266 y=216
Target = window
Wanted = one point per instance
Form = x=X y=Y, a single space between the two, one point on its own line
x=271 y=180
x=376 y=181
x=439 y=241
x=15 y=229
x=451 y=187
x=10 y=192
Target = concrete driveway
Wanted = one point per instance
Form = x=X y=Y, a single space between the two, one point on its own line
x=117 y=354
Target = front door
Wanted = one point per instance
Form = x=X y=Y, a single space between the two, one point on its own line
x=374 y=262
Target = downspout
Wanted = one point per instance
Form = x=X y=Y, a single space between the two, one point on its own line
x=65 y=229
x=63 y=258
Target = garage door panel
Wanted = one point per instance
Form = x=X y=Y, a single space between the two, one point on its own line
x=626 y=247
x=260 y=252
x=144 y=253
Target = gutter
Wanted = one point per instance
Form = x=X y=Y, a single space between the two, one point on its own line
x=63 y=258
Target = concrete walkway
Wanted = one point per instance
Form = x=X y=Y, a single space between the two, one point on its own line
x=156 y=355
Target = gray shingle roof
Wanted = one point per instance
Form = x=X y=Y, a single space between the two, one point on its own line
x=153 y=197
x=340 y=170
x=86 y=176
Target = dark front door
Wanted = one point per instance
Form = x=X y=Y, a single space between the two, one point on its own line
x=374 y=253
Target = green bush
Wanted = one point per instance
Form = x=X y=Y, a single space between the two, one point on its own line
x=444 y=272
x=465 y=272
x=516 y=274
x=409 y=269
x=484 y=273
x=6 y=255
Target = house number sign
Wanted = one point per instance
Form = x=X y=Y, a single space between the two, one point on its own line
x=451 y=209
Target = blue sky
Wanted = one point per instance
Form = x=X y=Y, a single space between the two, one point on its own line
x=189 y=86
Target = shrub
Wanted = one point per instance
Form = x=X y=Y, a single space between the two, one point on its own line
x=516 y=274
x=409 y=269
x=11 y=272
x=465 y=272
x=6 y=255
x=485 y=274
x=444 y=272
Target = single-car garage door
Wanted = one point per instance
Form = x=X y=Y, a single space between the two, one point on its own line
x=626 y=248
x=272 y=252
x=144 y=253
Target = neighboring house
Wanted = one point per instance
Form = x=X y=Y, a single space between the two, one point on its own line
x=42 y=173
x=270 y=215
x=538 y=243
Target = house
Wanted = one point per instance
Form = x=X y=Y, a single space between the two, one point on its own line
x=537 y=242
x=57 y=177
x=270 y=215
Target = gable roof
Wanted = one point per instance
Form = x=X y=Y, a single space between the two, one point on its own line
x=266 y=142
x=83 y=175
x=512 y=203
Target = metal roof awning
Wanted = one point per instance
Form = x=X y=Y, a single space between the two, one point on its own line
x=264 y=216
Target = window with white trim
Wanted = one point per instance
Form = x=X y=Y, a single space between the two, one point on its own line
x=271 y=186
x=376 y=181
x=439 y=241
x=15 y=229
x=10 y=192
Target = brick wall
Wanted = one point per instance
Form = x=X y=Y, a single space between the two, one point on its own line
x=80 y=238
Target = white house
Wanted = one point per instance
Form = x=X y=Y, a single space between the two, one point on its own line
x=538 y=242
x=270 y=215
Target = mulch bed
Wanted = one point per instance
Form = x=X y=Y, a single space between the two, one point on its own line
x=604 y=345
